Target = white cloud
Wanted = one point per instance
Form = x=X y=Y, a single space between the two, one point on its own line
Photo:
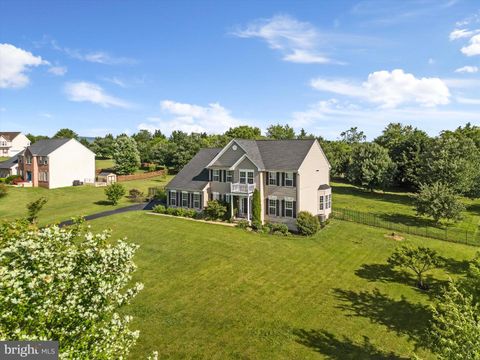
x=99 y=57
x=14 y=62
x=85 y=91
x=462 y=33
x=213 y=118
x=297 y=40
x=328 y=118
x=467 y=69
x=58 y=70
x=468 y=101
x=390 y=89
x=473 y=48
x=115 y=80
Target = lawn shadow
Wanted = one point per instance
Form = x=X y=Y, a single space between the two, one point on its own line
x=397 y=198
x=475 y=208
x=103 y=202
x=334 y=348
x=455 y=266
x=408 y=220
x=386 y=274
x=400 y=316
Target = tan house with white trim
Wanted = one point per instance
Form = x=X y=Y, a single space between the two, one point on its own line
x=290 y=175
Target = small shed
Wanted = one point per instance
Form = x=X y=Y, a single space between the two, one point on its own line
x=108 y=177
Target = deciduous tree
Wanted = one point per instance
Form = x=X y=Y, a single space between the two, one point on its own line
x=438 y=201
x=126 y=155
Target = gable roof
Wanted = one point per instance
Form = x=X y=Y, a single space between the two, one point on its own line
x=271 y=154
x=194 y=175
x=9 y=135
x=47 y=146
x=9 y=163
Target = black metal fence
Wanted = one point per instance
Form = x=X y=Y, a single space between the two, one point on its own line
x=457 y=235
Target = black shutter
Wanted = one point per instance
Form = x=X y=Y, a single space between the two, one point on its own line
x=294 y=209
x=294 y=179
x=210 y=175
x=211 y=196
x=277 y=202
x=266 y=206
x=224 y=175
x=168 y=197
x=283 y=207
x=178 y=198
x=283 y=179
x=266 y=178
x=191 y=200
x=278 y=179
x=201 y=201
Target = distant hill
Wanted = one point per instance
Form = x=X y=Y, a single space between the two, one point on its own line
x=90 y=139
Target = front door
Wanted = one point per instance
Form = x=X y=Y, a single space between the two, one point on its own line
x=29 y=176
x=242 y=207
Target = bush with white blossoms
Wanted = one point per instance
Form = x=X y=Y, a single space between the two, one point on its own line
x=67 y=285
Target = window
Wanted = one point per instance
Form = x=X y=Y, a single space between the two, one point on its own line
x=216 y=175
x=43 y=160
x=329 y=202
x=43 y=176
x=216 y=196
x=3 y=143
x=288 y=179
x=321 y=203
x=196 y=200
x=272 y=207
x=173 y=198
x=29 y=160
x=184 y=199
x=246 y=177
x=229 y=176
x=288 y=208
x=272 y=178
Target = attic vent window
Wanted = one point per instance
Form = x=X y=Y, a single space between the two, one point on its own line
x=234 y=147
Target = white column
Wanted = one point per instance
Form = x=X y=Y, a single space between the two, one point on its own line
x=248 y=207
x=231 y=205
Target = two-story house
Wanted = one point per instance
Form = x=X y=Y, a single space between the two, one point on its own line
x=55 y=163
x=290 y=175
x=11 y=143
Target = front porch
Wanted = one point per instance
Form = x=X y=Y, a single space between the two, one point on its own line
x=240 y=200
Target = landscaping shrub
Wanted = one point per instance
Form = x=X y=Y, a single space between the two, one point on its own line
x=10 y=179
x=159 y=209
x=307 y=224
x=114 y=192
x=34 y=208
x=171 y=211
x=161 y=195
x=278 y=229
x=136 y=195
x=256 y=207
x=257 y=225
x=2 y=180
x=3 y=190
x=215 y=210
x=243 y=224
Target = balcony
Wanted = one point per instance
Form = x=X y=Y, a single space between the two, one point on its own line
x=237 y=188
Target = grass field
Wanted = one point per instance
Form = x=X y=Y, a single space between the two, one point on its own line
x=3 y=158
x=397 y=206
x=104 y=163
x=64 y=203
x=215 y=292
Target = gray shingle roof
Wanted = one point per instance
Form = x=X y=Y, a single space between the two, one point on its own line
x=272 y=154
x=324 y=187
x=45 y=147
x=7 y=164
x=194 y=175
x=9 y=135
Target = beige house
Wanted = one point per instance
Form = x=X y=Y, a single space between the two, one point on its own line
x=290 y=175
x=55 y=163
x=12 y=143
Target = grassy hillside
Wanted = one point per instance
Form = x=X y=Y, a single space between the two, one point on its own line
x=397 y=206
x=215 y=292
x=64 y=203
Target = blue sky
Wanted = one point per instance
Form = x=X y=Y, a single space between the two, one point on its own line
x=119 y=66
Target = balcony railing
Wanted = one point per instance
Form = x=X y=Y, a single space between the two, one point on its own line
x=242 y=188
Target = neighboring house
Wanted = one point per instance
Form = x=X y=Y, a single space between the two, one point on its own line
x=290 y=175
x=11 y=143
x=9 y=167
x=56 y=163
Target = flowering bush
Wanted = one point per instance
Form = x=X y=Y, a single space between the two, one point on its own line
x=66 y=285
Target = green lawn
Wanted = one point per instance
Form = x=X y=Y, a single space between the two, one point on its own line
x=397 y=206
x=215 y=292
x=3 y=158
x=104 y=163
x=64 y=203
